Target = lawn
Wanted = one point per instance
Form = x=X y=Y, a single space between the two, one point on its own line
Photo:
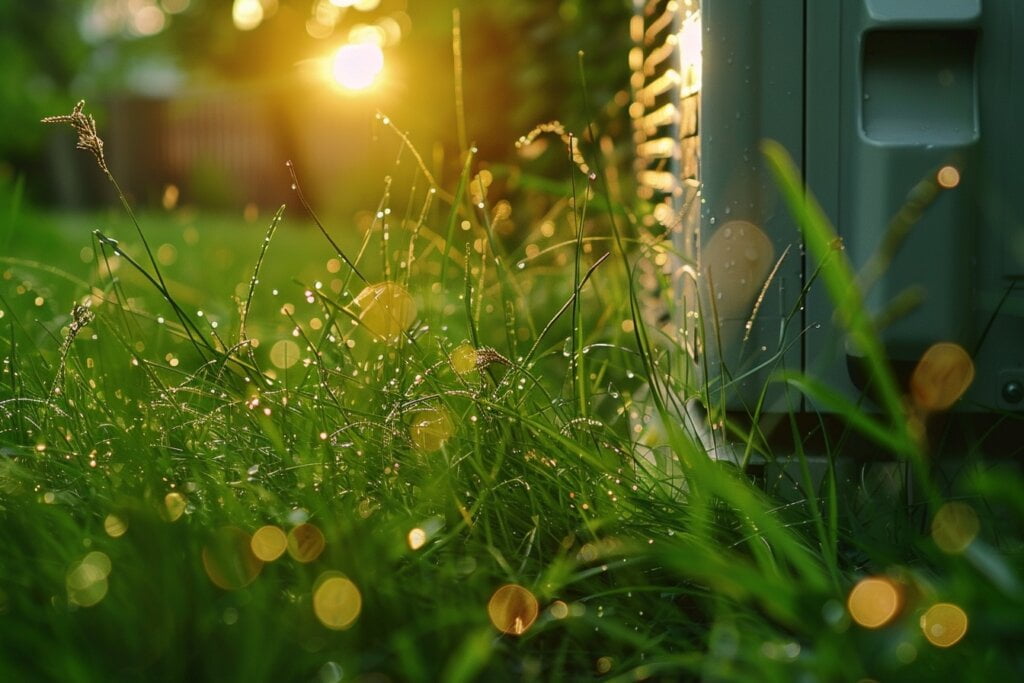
x=409 y=447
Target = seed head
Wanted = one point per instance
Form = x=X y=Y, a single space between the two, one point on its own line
x=85 y=126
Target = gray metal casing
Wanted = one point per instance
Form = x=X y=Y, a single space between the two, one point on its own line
x=869 y=97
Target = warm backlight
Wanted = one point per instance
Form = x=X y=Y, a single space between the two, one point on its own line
x=357 y=66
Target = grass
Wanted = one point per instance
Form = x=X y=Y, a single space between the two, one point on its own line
x=469 y=425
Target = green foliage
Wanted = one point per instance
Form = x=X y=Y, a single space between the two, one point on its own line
x=543 y=465
x=41 y=56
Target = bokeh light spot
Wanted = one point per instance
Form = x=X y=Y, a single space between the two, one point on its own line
x=170 y=196
x=115 y=526
x=944 y=624
x=174 y=506
x=463 y=359
x=386 y=310
x=943 y=374
x=336 y=601
x=430 y=429
x=356 y=66
x=269 y=543
x=416 y=538
x=738 y=259
x=247 y=14
x=948 y=177
x=86 y=580
x=305 y=543
x=284 y=353
x=167 y=254
x=229 y=560
x=954 y=527
x=148 y=20
x=874 y=602
x=512 y=609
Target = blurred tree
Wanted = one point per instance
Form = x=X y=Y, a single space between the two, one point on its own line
x=520 y=56
x=523 y=62
x=42 y=53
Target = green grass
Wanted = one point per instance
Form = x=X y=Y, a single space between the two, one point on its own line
x=648 y=558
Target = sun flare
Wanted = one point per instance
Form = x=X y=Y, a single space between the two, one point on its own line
x=357 y=66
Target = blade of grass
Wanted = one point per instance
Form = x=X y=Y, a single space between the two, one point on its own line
x=841 y=282
x=453 y=217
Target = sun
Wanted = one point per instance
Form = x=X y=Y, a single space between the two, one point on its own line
x=357 y=66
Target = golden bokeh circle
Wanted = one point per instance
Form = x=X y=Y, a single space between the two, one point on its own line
x=285 y=353
x=228 y=559
x=512 y=609
x=90 y=595
x=430 y=429
x=738 y=258
x=463 y=359
x=944 y=624
x=83 y=575
x=305 y=543
x=115 y=526
x=874 y=602
x=336 y=601
x=174 y=506
x=86 y=580
x=941 y=377
x=269 y=543
x=416 y=538
x=99 y=562
x=955 y=527
x=948 y=177
x=386 y=309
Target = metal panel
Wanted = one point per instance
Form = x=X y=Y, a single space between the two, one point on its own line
x=915 y=87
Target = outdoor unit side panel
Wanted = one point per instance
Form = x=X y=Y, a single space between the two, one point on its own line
x=752 y=90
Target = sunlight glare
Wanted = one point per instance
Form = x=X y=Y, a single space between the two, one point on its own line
x=247 y=14
x=356 y=66
x=690 y=53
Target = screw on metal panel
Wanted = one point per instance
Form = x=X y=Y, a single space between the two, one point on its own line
x=1013 y=392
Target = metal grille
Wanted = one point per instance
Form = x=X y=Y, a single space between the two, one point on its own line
x=666 y=82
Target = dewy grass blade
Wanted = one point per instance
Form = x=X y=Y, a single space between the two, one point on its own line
x=297 y=187
x=838 y=276
x=453 y=217
x=254 y=280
